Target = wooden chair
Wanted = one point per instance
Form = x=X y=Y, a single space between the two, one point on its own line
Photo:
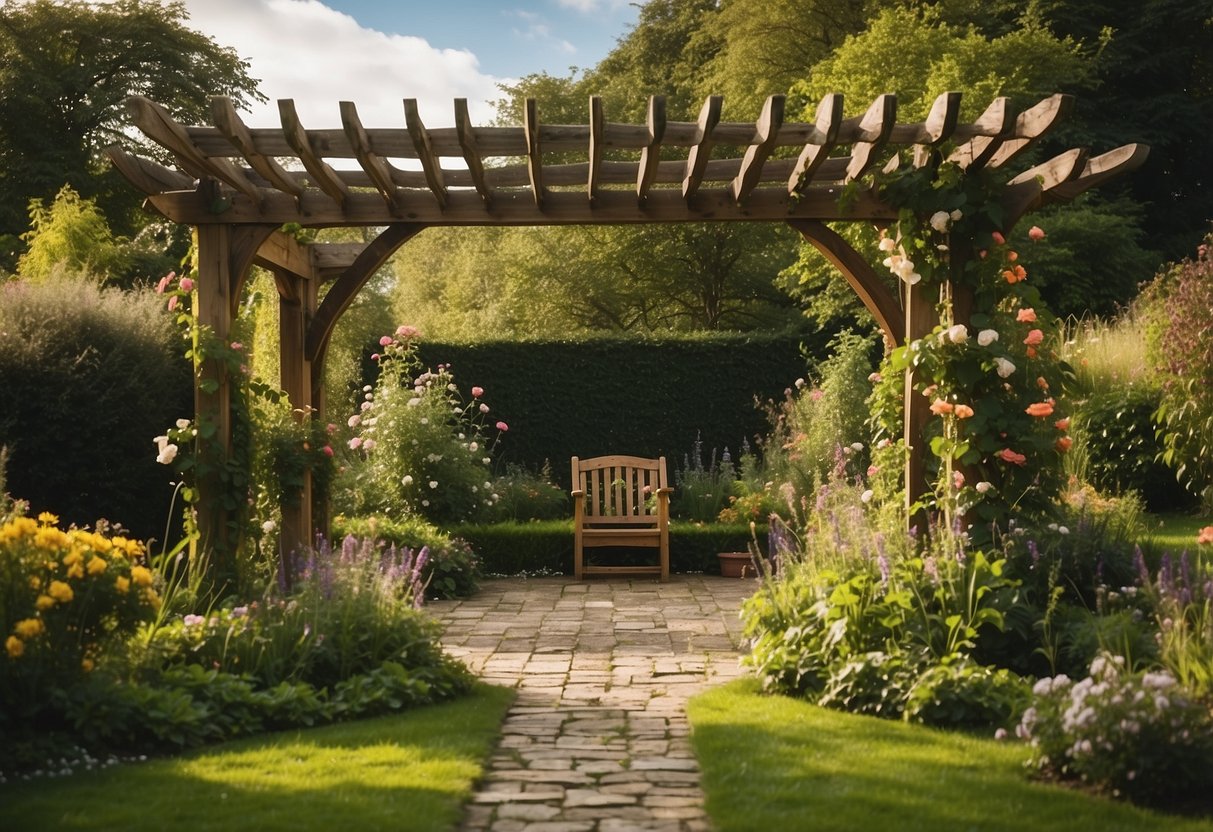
x=621 y=501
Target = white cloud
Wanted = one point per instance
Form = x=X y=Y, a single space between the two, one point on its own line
x=595 y=6
x=304 y=50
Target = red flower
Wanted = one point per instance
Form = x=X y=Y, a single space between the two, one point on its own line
x=1008 y=455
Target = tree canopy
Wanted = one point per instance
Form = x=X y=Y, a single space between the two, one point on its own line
x=65 y=69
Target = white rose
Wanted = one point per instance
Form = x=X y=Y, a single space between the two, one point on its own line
x=956 y=215
x=866 y=496
x=182 y=424
x=1005 y=367
x=983 y=486
x=887 y=244
x=958 y=333
x=987 y=337
x=433 y=483
x=167 y=454
x=940 y=221
x=473 y=447
x=268 y=526
x=407 y=479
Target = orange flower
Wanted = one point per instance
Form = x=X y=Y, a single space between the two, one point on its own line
x=1027 y=315
x=1035 y=337
x=1062 y=424
x=1042 y=383
x=1008 y=455
x=1039 y=409
x=1012 y=256
x=940 y=407
x=1015 y=275
x=963 y=411
x=1063 y=444
x=1031 y=352
x=1205 y=535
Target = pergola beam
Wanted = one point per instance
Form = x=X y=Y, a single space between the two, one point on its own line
x=470 y=149
x=425 y=151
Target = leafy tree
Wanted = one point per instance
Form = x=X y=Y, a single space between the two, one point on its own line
x=71 y=235
x=65 y=70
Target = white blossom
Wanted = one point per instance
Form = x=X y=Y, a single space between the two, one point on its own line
x=987 y=337
x=958 y=333
x=1004 y=367
x=940 y=221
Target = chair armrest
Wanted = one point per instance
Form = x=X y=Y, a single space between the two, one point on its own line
x=667 y=491
x=577 y=494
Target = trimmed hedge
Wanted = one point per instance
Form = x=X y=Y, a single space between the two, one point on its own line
x=547 y=546
x=88 y=377
x=622 y=394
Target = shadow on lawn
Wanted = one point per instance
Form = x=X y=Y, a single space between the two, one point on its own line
x=411 y=771
x=783 y=764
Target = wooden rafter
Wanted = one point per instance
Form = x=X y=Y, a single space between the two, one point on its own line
x=265 y=175
x=471 y=150
x=701 y=149
x=425 y=151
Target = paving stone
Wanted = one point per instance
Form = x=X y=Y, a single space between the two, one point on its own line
x=528 y=811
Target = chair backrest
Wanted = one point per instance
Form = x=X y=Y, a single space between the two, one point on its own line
x=619 y=489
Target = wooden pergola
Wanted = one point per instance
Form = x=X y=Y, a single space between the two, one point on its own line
x=236 y=185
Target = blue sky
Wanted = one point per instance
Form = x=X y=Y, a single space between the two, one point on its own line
x=321 y=52
x=511 y=38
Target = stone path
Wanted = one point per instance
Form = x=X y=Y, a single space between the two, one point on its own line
x=597 y=740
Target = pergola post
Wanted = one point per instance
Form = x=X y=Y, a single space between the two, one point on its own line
x=213 y=400
x=920 y=319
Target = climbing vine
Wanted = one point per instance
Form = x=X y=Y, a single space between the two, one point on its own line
x=988 y=370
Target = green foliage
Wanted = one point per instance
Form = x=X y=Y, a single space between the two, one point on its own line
x=89 y=377
x=71 y=235
x=1180 y=597
x=523 y=495
x=824 y=424
x=499 y=283
x=452 y=570
x=614 y=395
x=1115 y=429
x=546 y=547
x=1139 y=735
x=418 y=444
x=965 y=694
x=1180 y=306
x=68 y=68
x=64 y=596
x=702 y=491
x=859 y=618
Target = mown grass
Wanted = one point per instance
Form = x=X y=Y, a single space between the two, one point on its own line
x=1175 y=532
x=412 y=771
x=774 y=763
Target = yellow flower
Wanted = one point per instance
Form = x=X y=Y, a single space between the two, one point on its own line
x=153 y=600
x=87 y=665
x=97 y=565
x=122 y=584
x=73 y=557
x=133 y=548
x=141 y=575
x=14 y=646
x=48 y=519
x=75 y=571
x=44 y=602
x=48 y=537
x=29 y=627
x=61 y=592
x=35 y=582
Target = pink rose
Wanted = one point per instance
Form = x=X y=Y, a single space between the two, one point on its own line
x=187 y=285
x=477 y=392
x=172 y=303
x=385 y=340
x=1035 y=337
x=1008 y=455
x=502 y=426
x=406 y=332
x=998 y=238
x=1026 y=315
x=328 y=450
x=1036 y=233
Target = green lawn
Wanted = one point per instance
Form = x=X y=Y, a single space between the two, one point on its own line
x=774 y=763
x=413 y=771
x=1175 y=531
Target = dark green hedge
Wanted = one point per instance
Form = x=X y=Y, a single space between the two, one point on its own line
x=547 y=546
x=627 y=395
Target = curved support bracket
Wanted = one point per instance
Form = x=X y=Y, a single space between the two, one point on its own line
x=342 y=294
x=876 y=296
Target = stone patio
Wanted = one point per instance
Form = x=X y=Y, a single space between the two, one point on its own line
x=597 y=740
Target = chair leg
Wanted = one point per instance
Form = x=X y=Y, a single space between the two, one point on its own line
x=578 y=556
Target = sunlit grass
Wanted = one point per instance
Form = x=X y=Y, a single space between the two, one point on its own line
x=1175 y=532
x=413 y=771
x=774 y=763
x=1107 y=354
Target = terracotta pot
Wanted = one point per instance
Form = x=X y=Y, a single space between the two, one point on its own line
x=736 y=565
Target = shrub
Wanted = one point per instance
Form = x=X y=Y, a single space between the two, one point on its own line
x=452 y=569
x=63 y=597
x=1181 y=347
x=1134 y=734
x=702 y=491
x=418 y=445
x=523 y=495
x=1114 y=431
x=89 y=376
x=1181 y=597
